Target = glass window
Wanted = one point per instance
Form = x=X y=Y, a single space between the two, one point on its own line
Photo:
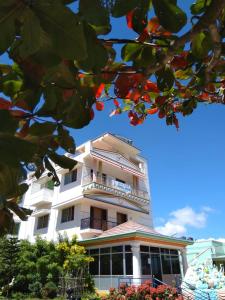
x=94 y=251
x=70 y=177
x=175 y=264
x=173 y=252
x=128 y=248
x=117 y=264
x=156 y=266
x=129 y=263
x=154 y=249
x=144 y=248
x=145 y=264
x=165 y=250
x=94 y=266
x=105 y=250
x=121 y=218
x=117 y=249
x=42 y=222
x=166 y=264
x=105 y=264
x=67 y=214
x=16 y=228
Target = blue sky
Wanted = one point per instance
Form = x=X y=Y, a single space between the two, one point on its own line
x=186 y=167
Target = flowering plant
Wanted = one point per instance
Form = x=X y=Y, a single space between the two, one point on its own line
x=145 y=291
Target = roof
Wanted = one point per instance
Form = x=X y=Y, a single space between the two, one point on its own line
x=129 y=226
x=131 y=230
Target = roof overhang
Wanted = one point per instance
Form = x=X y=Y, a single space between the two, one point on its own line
x=136 y=236
x=94 y=154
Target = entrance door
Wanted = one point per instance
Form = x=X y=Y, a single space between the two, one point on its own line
x=156 y=266
x=98 y=218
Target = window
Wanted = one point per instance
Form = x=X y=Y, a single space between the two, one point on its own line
x=129 y=263
x=94 y=266
x=42 y=222
x=70 y=177
x=104 y=264
x=121 y=218
x=175 y=264
x=67 y=214
x=166 y=264
x=117 y=264
x=145 y=264
x=120 y=180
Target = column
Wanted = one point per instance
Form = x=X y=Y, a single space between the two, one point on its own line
x=184 y=260
x=135 y=248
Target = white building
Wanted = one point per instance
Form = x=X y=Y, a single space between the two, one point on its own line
x=105 y=201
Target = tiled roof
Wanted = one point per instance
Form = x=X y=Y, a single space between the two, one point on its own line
x=128 y=227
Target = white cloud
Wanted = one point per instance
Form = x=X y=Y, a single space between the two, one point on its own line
x=183 y=218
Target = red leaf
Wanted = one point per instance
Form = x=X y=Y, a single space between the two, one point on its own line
x=92 y=114
x=153 y=25
x=175 y=122
x=204 y=96
x=135 y=96
x=24 y=130
x=146 y=98
x=151 y=87
x=152 y=111
x=161 y=114
x=99 y=105
x=99 y=90
x=116 y=102
x=5 y=104
x=143 y=36
x=17 y=113
x=160 y=100
x=129 y=18
x=22 y=104
x=179 y=62
x=125 y=83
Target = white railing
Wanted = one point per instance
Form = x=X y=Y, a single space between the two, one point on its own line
x=42 y=196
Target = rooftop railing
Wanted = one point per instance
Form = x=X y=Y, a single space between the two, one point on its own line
x=99 y=224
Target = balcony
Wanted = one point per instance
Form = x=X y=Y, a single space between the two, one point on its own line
x=110 y=185
x=91 y=227
x=41 y=197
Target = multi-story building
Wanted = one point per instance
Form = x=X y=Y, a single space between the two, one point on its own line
x=105 y=201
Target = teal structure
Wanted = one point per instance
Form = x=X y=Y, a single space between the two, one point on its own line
x=203 y=250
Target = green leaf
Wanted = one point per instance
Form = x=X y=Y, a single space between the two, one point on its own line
x=201 y=45
x=14 y=150
x=171 y=17
x=130 y=51
x=31 y=34
x=199 y=6
x=122 y=7
x=97 y=53
x=64 y=28
x=95 y=14
x=53 y=173
x=165 y=79
x=65 y=140
x=11 y=87
x=42 y=129
x=7 y=123
x=145 y=57
x=8 y=14
x=63 y=161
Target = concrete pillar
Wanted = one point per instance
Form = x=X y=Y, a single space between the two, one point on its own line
x=135 y=248
x=184 y=260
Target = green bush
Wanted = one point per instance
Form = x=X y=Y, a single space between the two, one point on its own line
x=49 y=290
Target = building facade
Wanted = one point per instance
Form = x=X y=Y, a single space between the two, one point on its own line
x=204 y=250
x=106 y=202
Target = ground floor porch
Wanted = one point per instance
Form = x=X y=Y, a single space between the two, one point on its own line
x=133 y=254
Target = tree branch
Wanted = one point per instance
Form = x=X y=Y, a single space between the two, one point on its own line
x=128 y=41
x=217 y=49
x=212 y=13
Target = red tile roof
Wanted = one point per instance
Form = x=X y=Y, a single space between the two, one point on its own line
x=127 y=227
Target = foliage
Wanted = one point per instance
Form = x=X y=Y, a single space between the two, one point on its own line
x=143 y=292
x=61 y=66
x=34 y=269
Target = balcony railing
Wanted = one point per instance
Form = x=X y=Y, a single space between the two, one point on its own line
x=99 y=224
x=102 y=181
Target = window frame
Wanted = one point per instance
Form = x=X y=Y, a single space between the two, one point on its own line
x=41 y=222
x=70 y=177
x=70 y=215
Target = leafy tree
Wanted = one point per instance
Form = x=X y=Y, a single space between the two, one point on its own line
x=34 y=269
x=61 y=66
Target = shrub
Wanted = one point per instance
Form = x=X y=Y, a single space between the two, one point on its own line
x=49 y=290
x=143 y=292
